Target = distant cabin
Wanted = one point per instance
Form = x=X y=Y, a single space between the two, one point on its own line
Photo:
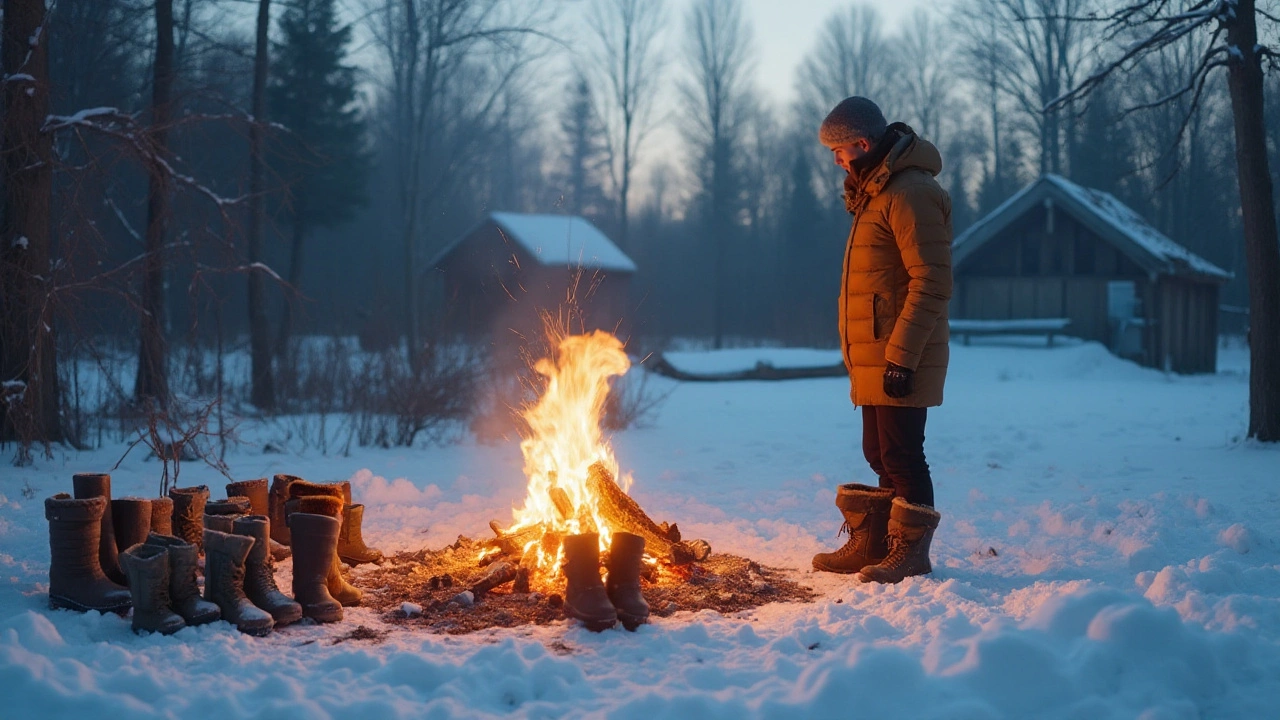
x=499 y=275
x=1059 y=250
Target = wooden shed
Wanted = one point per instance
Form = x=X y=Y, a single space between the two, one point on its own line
x=498 y=277
x=1059 y=250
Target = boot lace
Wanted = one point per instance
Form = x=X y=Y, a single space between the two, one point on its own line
x=898 y=549
x=851 y=545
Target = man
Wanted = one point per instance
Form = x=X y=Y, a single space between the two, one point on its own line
x=893 y=329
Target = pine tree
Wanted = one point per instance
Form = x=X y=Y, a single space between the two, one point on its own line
x=584 y=155
x=323 y=156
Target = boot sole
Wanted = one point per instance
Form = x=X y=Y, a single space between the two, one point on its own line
x=322 y=614
x=590 y=623
x=353 y=560
x=839 y=571
x=632 y=622
x=62 y=603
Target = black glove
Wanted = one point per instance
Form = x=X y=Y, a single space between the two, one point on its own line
x=897 y=381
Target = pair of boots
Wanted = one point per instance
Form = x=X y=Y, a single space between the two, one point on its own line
x=596 y=604
x=246 y=497
x=162 y=581
x=889 y=537
x=352 y=549
x=314 y=514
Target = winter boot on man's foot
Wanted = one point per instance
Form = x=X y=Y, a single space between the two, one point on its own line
x=76 y=581
x=315 y=545
x=188 y=514
x=330 y=504
x=259 y=504
x=260 y=572
x=626 y=554
x=866 y=519
x=220 y=515
x=147 y=569
x=276 y=498
x=184 y=591
x=87 y=485
x=162 y=515
x=224 y=557
x=585 y=597
x=131 y=518
x=910 y=533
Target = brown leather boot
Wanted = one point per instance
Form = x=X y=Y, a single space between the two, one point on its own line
x=330 y=505
x=147 y=568
x=910 y=534
x=626 y=554
x=259 y=504
x=351 y=547
x=188 y=513
x=224 y=570
x=276 y=499
x=866 y=519
x=314 y=551
x=260 y=572
x=76 y=581
x=87 y=485
x=184 y=591
x=585 y=597
x=162 y=516
x=131 y=517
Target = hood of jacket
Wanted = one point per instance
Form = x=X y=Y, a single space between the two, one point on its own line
x=899 y=150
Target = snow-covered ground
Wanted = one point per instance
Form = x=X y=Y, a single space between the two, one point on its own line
x=1108 y=549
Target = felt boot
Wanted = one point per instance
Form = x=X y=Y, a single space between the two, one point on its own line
x=224 y=570
x=162 y=516
x=866 y=519
x=331 y=505
x=260 y=572
x=585 y=597
x=188 y=513
x=259 y=504
x=351 y=547
x=184 y=592
x=132 y=519
x=910 y=534
x=147 y=569
x=276 y=499
x=314 y=551
x=76 y=581
x=626 y=553
x=221 y=514
x=87 y=485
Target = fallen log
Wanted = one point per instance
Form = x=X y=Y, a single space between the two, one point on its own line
x=499 y=573
x=619 y=508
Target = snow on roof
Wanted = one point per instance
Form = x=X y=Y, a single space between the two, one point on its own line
x=563 y=240
x=1124 y=225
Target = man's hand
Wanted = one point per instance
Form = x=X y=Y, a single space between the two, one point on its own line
x=897 y=381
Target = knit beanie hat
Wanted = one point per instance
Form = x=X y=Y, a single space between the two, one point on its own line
x=854 y=118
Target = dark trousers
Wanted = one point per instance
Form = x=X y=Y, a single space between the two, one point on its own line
x=893 y=442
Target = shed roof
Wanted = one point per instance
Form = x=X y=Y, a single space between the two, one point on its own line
x=553 y=240
x=1102 y=213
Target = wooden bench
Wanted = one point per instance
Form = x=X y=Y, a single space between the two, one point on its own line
x=1018 y=326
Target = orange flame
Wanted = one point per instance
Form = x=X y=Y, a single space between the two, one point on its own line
x=564 y=439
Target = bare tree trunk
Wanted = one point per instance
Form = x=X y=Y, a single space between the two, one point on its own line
x=1262 y=254
x=295 y=275
x=263 y=392
x=28 y=357
x=152 y=382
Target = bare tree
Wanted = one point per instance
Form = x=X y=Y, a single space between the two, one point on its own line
x=925 y=57
x=262 y=393
x=630 y=61
x=152 y=384
x=852 y=58
x=719 y=58
x=984 y=57
x=28 y=364
x=1233 y=29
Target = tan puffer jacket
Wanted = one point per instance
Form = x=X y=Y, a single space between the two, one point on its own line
x=897 y=277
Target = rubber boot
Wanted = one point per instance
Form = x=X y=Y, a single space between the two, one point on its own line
x=162 y=516
x=276 y=499
x=87 y=485
x=147 y=569
x=184 y=592
x=910 y=534
x=313 y=553
x=132 y=519
x=351 y=547
x=626 y=554
x=866 y=519
x=76 y=580
x=188 y=514
x=221 y=515
x=585 y=597
x=260 y=572
x=331 y=506
x=259 y=504
x=224 y=570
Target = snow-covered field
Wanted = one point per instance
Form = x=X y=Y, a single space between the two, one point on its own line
x=1108 y=549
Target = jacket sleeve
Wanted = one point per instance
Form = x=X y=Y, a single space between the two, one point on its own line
x=920 y=217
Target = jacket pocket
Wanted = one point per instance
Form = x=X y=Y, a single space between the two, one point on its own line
x=883 y=317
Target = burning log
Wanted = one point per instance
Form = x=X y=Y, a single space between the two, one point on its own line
x=619 y=508
x=499 y=573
